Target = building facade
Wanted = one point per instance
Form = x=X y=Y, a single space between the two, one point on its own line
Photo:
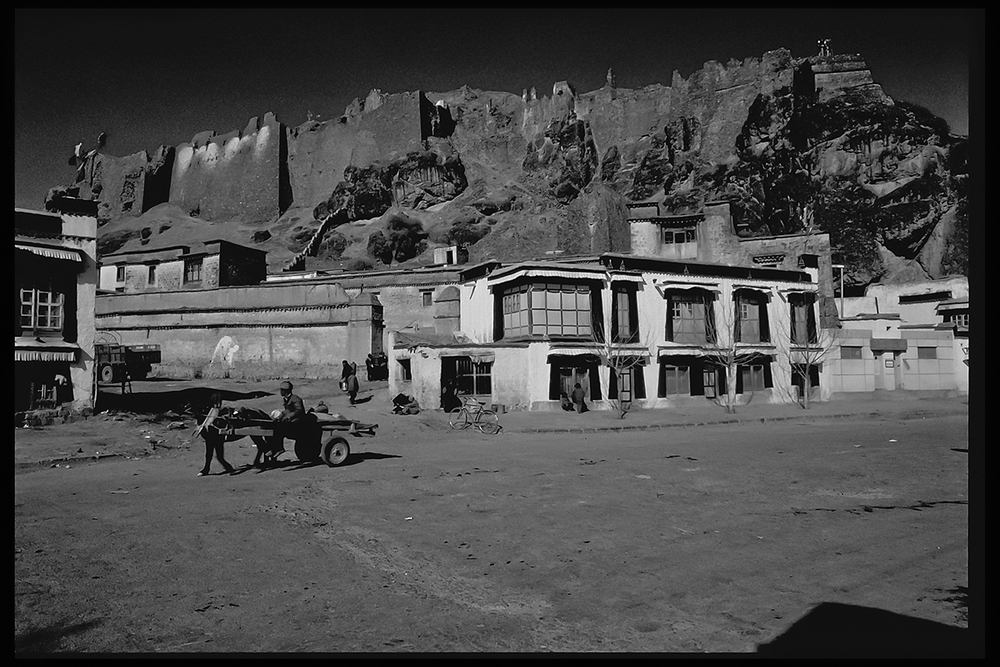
x=55 y=283
x=908 y=336
x=216 y=263
x=647 y=332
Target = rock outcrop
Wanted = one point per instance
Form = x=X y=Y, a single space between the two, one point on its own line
x=793 y=144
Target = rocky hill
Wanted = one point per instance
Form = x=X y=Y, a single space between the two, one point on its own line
x=794 y=144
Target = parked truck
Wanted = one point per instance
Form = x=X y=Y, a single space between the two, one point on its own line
x=117 y=363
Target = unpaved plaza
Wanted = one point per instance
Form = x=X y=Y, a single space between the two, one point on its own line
x=707 y=539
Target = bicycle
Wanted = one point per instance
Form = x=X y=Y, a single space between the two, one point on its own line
x=473 y=413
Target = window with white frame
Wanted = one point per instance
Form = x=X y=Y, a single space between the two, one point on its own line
x=958 y=319
x=42 y=309
x=120 y=273
x=624 y=313
x=472 y=378
x=151 y=274
x=674 y=236
x=192 y=270
x=547 y=309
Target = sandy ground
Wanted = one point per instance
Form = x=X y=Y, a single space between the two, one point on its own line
x=799 y=536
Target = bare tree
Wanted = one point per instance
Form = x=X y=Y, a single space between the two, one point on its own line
x=621 y=357
x=723 y=347
x=808 y=345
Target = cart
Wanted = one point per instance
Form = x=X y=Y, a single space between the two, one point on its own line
x=320 y=440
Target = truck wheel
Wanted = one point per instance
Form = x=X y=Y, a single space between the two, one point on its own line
x=336 y=451
x=106 y=374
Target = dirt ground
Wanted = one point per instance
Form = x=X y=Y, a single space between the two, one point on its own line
x=802 y=537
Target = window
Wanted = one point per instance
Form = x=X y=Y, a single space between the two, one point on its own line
x=926 y=353
x=548 y=309
x=674 y=380
x=405 y=371
x=803 y=319
x=625 y=320
x=427 y=299
x=192 y=271
x=751 y=319
x=753 y=377
x=120 y=274
x=689 y=319
x=515 y=312
x=151 y=275
x=850 y=351
x=472 y=377
x=679 y=235
x=41 y=309
x=626 y=384
x=958 y=319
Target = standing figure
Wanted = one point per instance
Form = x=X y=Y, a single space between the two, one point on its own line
x=353 y=385
x=578 y=397
x=215 y=443
x=344 y=373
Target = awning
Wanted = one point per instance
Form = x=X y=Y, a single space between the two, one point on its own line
x=36 y=350
x=888 y=344
x=569 y=274
x=483 y=357
x=678 y=286
x=567 y=357
x=54 y=253
x=955 y=304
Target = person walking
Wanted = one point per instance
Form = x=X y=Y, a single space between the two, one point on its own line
x=215 y=443
x=353 y=386
x=344 y=373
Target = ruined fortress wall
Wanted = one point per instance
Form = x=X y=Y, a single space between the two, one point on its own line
x=388 y=127
x=235 y=175
x=618 y=117
x=718 y=97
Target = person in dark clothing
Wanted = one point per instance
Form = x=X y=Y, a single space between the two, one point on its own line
x=578 y=397
x=353 y=386
x=449 y=397
x=215 y=445
x=344 y=373
x=565 y=403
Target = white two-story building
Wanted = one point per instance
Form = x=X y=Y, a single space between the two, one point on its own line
x=651 y=332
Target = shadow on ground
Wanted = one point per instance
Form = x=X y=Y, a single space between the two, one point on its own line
x=193 y=400
x=46 y=640
x=834 y=630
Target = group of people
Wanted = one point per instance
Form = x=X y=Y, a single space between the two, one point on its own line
x=576 y=400
x=377 y=366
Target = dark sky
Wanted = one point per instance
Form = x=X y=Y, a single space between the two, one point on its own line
x=158 y=77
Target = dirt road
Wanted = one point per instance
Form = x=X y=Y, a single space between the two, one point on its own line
x=714 y=539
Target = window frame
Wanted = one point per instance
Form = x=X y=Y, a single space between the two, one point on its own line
x=682 y=376
x=55 y=309
x=539 y=309
x=703 y=333
x=860 y=352
x=427 y=298
x=927 y=352
x=803 y=314
x=151 y=274
x=189 y=266
x=756 y=305
x=120 y=273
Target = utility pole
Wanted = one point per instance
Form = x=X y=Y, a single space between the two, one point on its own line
x=841 y=267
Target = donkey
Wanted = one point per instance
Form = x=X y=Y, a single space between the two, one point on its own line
x=219 y=419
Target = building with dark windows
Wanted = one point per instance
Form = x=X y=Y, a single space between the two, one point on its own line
x=55 y=283
x=651 y=332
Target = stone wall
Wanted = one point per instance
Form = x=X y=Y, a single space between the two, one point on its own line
x=237 y=175
x=382 y=128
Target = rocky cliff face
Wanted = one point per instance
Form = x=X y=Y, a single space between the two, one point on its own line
x=794 y=144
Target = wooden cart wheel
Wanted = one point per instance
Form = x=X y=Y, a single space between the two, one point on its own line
x=107 y=374
x=336 y=451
